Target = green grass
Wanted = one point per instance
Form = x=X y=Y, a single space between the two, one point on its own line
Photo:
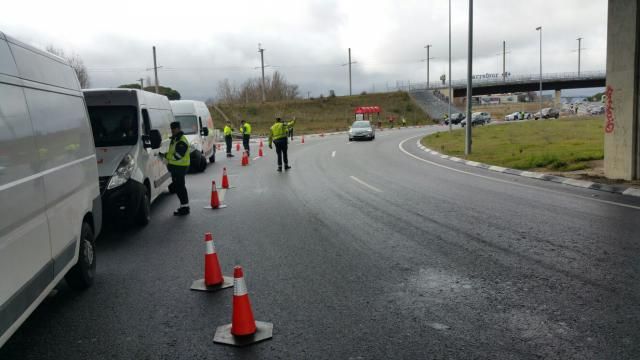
x=557 y=145
x=322 y=115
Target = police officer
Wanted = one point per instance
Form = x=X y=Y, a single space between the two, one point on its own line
x=227 y=137
x=178 y=161
x=278 y=136
x=245 y=128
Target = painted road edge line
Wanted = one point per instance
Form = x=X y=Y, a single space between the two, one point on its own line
x=628 y=191
x=533 y=187
x=333 y=154
x=365 y=184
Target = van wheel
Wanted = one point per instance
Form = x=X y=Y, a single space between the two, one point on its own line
x=144 y=212
x=81 y=274
x=203 y=163
x=212 y=159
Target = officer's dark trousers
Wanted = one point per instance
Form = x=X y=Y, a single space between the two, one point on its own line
x=228 y=140
x=178 y=174
x=281 y=150
x=245 y=142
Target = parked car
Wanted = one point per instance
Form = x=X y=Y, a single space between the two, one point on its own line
x=477 y=118
x=130 y=128
x=547 y=113
x=48 y=182
x=596 y=110
x=456 y=118
x=518 y=116
x=361 y=129
x=195 y=121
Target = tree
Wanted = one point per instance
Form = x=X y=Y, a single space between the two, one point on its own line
x=276 y=88
x=129 y=86
x=75 y=61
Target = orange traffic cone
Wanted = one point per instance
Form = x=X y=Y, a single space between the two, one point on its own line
x=245 y=159
x=243 y=330
x=260 y=152
x=213 y=279
x=225 y=179
x=215 y=200
x=302 y=142
x=237 y=146
x=261 y=145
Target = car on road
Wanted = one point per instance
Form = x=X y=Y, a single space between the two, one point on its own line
x=596 y=110
x=547 y=113
x=477 y=118
x=197 y=125
x=518 y=116
x=456 y=118
x=361 y=130
x=48 y=182
x=130 y=129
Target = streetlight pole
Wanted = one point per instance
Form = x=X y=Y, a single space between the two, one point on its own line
x=155 y=69
x=350 y=72
x=428 y=58
x=579 y=50
x=141 y=83
x=261 y=51
x=450 y=92
x=467 y=143
x=539 y=28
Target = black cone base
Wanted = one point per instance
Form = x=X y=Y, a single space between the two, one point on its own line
x=264 y=331
x=199 y=285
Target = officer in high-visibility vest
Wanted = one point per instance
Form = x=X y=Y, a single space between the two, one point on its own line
x=245 y=129
x=278 y=136
x=178 y=161
x=227 y=137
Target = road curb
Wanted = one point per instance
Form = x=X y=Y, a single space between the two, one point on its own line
x=615 y=189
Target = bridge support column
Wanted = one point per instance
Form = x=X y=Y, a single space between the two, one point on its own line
x=622 y=103
x=558 y=99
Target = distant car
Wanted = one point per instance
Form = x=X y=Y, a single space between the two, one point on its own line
x=456 y=118
x=361 y=129
x=518 y=116
x=596 y=110
x=547 y=113
x=477 y=118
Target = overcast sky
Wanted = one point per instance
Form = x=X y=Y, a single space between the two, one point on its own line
x=202 y=42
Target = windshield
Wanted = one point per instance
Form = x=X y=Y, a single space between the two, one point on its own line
x=361 y=125
x=114 y=125
x=188 y=124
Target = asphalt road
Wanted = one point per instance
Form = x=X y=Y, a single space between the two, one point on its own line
x=367 y=250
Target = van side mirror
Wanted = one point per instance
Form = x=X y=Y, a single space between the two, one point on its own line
x=204 y=131
x=153 y=140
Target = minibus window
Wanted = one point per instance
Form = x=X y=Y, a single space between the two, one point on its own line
x=188 y=124
x=114 y=125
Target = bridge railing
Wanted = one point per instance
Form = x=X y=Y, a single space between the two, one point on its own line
x=490 y=79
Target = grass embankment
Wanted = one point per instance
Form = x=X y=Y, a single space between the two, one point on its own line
x=322 y=115
x=556 y=145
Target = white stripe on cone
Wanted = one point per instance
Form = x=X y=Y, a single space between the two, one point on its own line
x=239 y=287
x=211 y=249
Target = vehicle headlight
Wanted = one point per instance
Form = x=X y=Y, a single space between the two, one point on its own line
x=350 y=131
x=195 y=146
x=123 y=172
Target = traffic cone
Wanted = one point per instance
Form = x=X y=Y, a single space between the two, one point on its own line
x=260 y=152
x=213 y=278
x=261 y=145
x=243 y=330
x=302 y=142
x=215 y=200
x=225 y=179
x=237 y=146
x=245 y=159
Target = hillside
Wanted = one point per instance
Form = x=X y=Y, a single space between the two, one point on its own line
x=321 y=115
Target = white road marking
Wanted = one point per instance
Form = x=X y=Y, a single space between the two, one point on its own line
x=400 y=146
x=350 y=142
x=333 y=154
x=365 y=184
x=256 y=158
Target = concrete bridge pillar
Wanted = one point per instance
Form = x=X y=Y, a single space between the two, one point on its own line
x=557 y=99
x=622 y=103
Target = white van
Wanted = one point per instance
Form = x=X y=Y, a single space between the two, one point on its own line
x=130 y=127
x=197 y=124
x=48 y=182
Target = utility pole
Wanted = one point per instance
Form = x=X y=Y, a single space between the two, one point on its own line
x=504 y=60
x=261 y=51
x=141 y=83
x=579 y=53
x=467 y=142
x=349 y=64
x=539 y=28
x=155 y=70
x=427 y=59
x=450 y=90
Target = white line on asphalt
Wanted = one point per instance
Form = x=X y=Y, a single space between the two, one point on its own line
x=365 y=184
x=400 y=146
x=349 y=143
x=333 y=154
x=256 y=158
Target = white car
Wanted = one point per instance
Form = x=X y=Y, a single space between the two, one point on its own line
x=361 y=129
x=48 y=182
x=518 y=116
x=130 y=128
x=197 y=125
